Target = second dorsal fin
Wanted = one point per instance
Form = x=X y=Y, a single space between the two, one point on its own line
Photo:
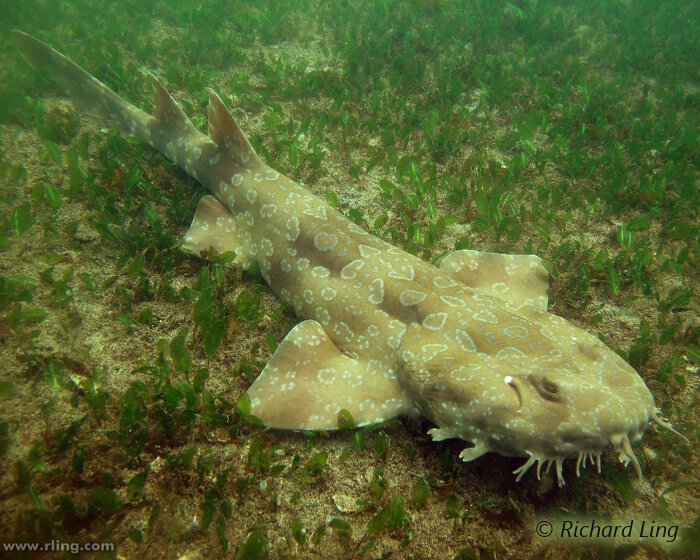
x=226 y=133
x=168 y=112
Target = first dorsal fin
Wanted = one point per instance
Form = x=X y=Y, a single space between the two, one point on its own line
x=225 y=132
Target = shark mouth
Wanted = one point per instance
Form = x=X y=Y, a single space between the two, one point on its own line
x=620 y=443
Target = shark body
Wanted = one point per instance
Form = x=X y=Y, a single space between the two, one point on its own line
x=469 y=344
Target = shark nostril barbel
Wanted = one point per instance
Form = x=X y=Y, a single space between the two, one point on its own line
x=656 y=418
x=621 y=445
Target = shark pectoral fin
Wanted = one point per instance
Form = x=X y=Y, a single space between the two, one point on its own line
x=308 y=381
x=225 y=132
x=213 y=225
x=517 y=279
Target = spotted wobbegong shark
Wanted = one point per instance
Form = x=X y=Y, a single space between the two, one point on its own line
x=469 y=344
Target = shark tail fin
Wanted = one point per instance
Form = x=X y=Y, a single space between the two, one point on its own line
x=93 y=97
x=88 y=93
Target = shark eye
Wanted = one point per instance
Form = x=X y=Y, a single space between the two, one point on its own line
x=550 y=387
x=547 y=388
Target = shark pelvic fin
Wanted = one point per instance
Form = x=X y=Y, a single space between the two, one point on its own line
x=225 y=133
x=309 y=380
x=517 y=279
x=214 y=226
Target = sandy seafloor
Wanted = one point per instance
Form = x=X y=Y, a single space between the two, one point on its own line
x=476 y=509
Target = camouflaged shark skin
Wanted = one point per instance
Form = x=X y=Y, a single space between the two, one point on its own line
x=469 y=344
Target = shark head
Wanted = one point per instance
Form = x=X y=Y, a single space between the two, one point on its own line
x=577 y=406
x=546 y=391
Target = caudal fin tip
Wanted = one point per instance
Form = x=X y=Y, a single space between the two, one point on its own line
x=35 y=52
x=22 y=39
x=18 y=35
x=26 y=42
